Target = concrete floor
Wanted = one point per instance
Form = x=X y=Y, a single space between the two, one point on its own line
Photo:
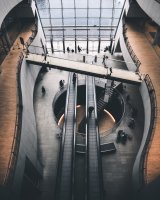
x=117 y=167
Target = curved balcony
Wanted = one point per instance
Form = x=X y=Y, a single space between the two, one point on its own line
x=151 y=8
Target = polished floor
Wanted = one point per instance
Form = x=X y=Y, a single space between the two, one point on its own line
x=117 y=168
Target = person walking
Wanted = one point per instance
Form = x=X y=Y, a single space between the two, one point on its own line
x=110 y=70
x=74 y=78
x=90 y=110
x=43 y=90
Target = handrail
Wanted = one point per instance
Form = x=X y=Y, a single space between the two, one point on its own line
x=98 y=144
x=74 y=138
x=59 y=165
x=61 y=153
x=17 y=130
x=130 y=50
x=35 y=50
x=86 y=155
x=144 y=155
x=106 y=133
x=18 y=123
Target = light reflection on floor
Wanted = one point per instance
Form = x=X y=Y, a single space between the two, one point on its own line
x=106 y=121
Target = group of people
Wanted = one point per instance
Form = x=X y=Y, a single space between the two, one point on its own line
x=72 y=50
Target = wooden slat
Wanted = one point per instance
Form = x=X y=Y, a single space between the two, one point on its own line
x=150 y=60
x=8 y=101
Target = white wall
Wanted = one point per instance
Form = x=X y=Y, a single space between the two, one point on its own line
x=28 y=141
x=6 y=6
x=137 y=172
x=151 y=8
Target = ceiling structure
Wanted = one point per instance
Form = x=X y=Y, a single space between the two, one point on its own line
x=91 y=24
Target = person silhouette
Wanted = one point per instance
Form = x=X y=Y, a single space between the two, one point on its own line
x=43 y=90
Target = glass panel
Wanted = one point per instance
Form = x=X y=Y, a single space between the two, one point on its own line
x=44 y=13
x=105 y=32
x=94 y=12
x=81 y=32
x=58 y=46
x=94 y=4
x=93 y=46
x=42 y=3
x=68 y=3
x=70 y=22
x=81 y=13
x=106 y=13
x=105 y=22
x=57 y=22
x=93 y=32
x=117 y=13
x=69 y=32
x=55 y=3
x=68 y=13
x=57 y=33
x=81 y=3
x=93 y=22
x=107 y=4
x=56 y=13
x=45 y=22
x=81 y=22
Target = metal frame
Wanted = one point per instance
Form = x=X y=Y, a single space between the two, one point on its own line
x=109 y=29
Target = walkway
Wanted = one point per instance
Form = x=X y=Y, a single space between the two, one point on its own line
x=84 y=68
x=8 y=101
x=150 y=65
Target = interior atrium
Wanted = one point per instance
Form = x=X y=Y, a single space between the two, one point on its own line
x=79 y=99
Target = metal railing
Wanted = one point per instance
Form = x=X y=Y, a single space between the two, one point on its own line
x=98 y=145
x=111 y=130
x=18 y=123
x=144 y=155
x=130 y=50
x=59 y=165
x=17 y=130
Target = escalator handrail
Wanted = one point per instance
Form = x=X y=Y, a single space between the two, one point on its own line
x=59 y=165
x=74 y=139
x=98 y=144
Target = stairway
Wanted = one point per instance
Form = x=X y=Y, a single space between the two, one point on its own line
x=103 y=100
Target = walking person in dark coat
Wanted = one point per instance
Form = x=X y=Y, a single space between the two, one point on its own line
x=74 y=78
x=43 y=90
x=90 y=110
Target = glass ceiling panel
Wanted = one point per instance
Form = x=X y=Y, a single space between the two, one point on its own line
x=94 y=13
x=68 y=4
x=53 y=3
x=81 y=3
x=81 y=13
x=56 y=13
x=100 y=22
x=94 y=4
